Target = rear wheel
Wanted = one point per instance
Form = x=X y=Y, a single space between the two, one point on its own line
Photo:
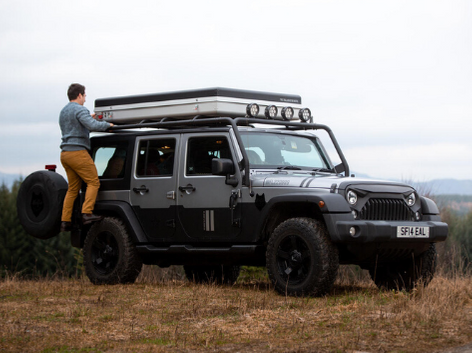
x=110 y=257
x=301 y=259
x=408 y=274
x=220 y=274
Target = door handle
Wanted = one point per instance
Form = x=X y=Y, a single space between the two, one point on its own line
x=141 y=190
x=188 y=189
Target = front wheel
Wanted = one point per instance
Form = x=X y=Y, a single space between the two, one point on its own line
x=408 y=274
x=110 y=257
x=301 y=259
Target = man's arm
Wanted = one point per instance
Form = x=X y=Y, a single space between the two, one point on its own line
x=88 y=120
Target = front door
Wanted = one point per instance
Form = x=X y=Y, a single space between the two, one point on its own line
x=204 y=199
x=153 y=185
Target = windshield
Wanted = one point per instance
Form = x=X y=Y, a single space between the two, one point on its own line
x=274 y=150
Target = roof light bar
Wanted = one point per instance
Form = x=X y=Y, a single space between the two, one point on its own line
x=304 y=114
x=287 y=113
x=252 y=110
x=271 y=112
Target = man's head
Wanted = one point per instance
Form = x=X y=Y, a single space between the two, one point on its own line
x=76 y=93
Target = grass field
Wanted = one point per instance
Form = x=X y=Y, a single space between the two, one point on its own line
x=173 y=315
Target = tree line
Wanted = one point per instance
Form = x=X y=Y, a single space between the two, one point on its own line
x=26 y=256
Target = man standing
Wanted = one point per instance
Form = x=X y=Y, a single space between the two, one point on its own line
x=76 y=122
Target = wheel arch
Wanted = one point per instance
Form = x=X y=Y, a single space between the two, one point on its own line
x=124 y=211
x=281 y=208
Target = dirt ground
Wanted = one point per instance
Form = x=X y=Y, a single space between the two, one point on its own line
x=177 y=316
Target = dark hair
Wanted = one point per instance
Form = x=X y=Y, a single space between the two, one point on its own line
x=74 y=90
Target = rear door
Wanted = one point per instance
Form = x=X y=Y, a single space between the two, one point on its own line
x=153 y=185
x=203 y=199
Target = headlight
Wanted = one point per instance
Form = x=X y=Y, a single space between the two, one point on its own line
x=351 y=197
x=287 y=113
x=252 y=110
x=304 y=114
x=411 y=199
x=271 y=112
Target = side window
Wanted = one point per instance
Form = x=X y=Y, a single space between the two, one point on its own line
x=155 y=157
x=110 y=160
x=201 y=151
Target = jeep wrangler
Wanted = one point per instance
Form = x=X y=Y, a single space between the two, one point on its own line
x=214 y=179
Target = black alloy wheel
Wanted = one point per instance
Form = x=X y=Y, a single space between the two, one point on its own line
x=294 y=259
x=110 y=256
x=301 y=259
x=408 y=274
x=104 y=253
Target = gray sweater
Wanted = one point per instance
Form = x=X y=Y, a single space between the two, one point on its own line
x=76 y=123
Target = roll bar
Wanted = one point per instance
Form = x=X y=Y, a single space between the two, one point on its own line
x=234 y=123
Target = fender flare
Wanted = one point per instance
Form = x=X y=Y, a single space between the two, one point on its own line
x=428 y=206
x=125 y=212
x=333 y=203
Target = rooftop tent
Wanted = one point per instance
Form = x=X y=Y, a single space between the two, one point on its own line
x=209 y=102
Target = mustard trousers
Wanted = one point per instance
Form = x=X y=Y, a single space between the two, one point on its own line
x=79 y=167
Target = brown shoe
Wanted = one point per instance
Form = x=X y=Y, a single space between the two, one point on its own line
x=88 y=218
x=66 y=226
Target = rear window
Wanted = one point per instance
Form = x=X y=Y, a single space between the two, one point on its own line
x=110 y=160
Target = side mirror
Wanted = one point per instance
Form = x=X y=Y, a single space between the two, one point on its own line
x=224 y=166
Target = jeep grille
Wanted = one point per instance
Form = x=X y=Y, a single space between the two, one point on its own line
x=386 y=210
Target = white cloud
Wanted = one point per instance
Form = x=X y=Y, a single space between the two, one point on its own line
x=26 y=130
x=413 y=162
x=382 y=74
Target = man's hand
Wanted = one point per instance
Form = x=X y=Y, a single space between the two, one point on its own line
x=93 y=115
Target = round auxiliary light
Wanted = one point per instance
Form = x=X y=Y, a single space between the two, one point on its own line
x=271 y=112
x=351 y=197
x=411 y=199
x=252 y=110
x=304 y=114
x=287 y=113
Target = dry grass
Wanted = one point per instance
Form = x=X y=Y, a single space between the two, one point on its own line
x=173 y=315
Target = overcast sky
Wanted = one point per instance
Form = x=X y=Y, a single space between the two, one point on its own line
x=393 y=79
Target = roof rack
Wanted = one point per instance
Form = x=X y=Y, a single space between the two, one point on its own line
x=209 y=102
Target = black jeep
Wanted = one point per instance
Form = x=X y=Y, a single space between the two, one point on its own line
x=218 y=178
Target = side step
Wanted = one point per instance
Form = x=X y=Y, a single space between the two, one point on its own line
x=190 y=255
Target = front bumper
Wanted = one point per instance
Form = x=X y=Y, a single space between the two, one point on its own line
x=339 y=226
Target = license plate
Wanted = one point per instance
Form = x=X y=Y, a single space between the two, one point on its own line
x=412 y=232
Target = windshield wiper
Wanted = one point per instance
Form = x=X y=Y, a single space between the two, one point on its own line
x=289 y=167
x=323 y=170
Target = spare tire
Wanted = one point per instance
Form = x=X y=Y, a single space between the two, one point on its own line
x=39 y=203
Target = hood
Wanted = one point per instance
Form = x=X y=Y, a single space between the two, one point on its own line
x=324 y=181
x=298 y=180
